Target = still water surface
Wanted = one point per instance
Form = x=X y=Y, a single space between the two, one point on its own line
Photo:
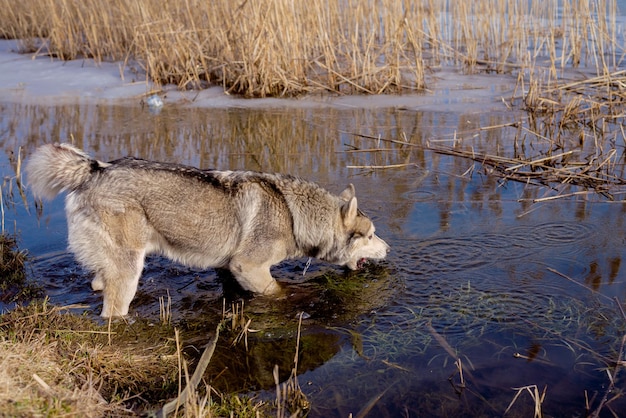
x=522 y=292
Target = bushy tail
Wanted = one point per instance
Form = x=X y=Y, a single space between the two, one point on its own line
x=55 y=168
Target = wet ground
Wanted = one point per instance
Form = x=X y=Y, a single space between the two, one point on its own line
x=521 y=292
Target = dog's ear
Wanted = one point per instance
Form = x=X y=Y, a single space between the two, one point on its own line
x=349 y=212
x=348 y=193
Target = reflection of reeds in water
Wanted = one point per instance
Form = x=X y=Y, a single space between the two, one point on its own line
x=298 y=141
x=9 y=185
x=268 y=48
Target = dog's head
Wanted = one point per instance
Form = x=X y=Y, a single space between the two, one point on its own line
x=358 y=234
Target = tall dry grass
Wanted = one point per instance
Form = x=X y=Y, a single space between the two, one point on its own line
x=286 y=47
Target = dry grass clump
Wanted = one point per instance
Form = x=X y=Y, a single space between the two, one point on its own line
x=52 y=364
x=61 y=364
x=14 y=286
x=579 y=126
x=282 y=47
x=592 y=175
x=25 y=370
x=56 y=363
x=592 y=171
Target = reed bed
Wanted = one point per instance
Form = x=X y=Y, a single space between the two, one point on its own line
x=578 y=128
x=282 y=48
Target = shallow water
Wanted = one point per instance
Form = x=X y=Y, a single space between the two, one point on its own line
x=477 y=270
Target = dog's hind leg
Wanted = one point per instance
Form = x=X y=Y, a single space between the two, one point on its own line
x=120 y=283
x=112 y=244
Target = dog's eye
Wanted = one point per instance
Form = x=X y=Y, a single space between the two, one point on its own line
x=370 y=237
x=355 y=236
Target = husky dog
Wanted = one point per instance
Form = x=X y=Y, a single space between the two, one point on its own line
x=120 y=211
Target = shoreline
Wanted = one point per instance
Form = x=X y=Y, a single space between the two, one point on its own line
x=41 y=80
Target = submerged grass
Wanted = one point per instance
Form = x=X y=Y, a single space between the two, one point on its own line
x=276 y=48
x=446 y=335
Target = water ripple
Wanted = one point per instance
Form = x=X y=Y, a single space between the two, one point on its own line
x=419 y=195
x=552 y=234
x=462 y=254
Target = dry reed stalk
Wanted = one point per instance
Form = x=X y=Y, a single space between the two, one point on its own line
x=592 y=291
x=534 y=394
x=451 y=352
x=192 y=383
x=165 y=309
x=380 y=167
x=596 y=174
x=369 y=405
x=2 y=231
x=610 y=394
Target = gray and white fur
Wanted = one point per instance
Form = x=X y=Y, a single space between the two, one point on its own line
x=120 y=211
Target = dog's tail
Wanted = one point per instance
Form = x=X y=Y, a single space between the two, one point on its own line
x=55 y=168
